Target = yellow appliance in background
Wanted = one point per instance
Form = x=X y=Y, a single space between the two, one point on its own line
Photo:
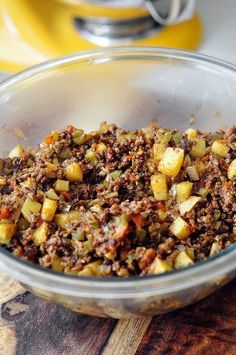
x=32 y=31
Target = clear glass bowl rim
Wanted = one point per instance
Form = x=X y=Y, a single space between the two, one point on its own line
x=113 y=287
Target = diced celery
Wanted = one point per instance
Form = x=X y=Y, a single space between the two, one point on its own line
x=64 y=154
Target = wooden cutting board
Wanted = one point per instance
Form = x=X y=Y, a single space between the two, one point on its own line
x=30 y=326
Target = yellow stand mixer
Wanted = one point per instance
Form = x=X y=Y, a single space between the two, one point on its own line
x=32 y=31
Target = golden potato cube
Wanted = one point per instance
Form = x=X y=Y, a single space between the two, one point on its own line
x=183 y=190
x=198 y=149
x=215 y=248
x=51 y=194
x=3 y=181
x=62 y=185
x=48 y=210
x=182 y=260
x=159 y=266
x=159 y=187
x=190 y=252
x=40 y=234
x=63 y=219
x=86 y=272
x=232 y=170
x=57 y=266
x=94 y=267
x=50 y=172
x=101 y=147
x=17 y=152
x=191 y=133
x=188 y=205
x=29 y=208
x=171 y=161
x=7 y=231
x=180 y=228
x=158 y=151
x=74 y=172
x=219 y=148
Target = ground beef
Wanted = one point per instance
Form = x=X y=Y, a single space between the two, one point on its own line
x=115 y=206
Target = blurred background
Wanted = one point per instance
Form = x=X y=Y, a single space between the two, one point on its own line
x=32 y=31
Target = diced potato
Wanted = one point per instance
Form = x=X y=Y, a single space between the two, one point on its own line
x=63 y=219
x=187 y=206
x=62 y=185
x=51 y=194
x=17 y=152
x=159 y=187
x=215 y=248
x=91 y=269
x=94 y=266
x=74 y=172
x=190 y=252
x=57 y=266
x=180 y=228
x=159 y=266
x=183 y=190
x=29 y=208
x=182 y=260
x=171 y=161
x=232 y=170
x=198 y=149
x=49 y=209
x=7 y=231
x=3 y=181
x=219 y=148
x=191 y=133
x=40 y=234
x=50 y=172
x=158 y=151
x=86 y=272
x=101 y=147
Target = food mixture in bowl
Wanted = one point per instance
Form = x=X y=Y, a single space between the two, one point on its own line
x=120 y=203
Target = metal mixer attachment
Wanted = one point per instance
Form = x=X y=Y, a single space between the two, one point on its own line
x=104 y=31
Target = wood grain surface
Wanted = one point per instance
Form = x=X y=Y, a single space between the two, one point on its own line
x=30 y=326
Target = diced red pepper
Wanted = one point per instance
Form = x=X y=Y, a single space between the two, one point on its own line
x=161 y=206
x=38 y=223
x=5 y=213
x=137 y=219
x=67 y=195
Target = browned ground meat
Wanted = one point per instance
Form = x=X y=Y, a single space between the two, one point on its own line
x=114 y=203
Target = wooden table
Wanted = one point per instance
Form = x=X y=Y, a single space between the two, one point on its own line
x=30 y=326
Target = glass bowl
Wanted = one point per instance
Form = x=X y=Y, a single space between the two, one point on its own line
x=130 y=87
